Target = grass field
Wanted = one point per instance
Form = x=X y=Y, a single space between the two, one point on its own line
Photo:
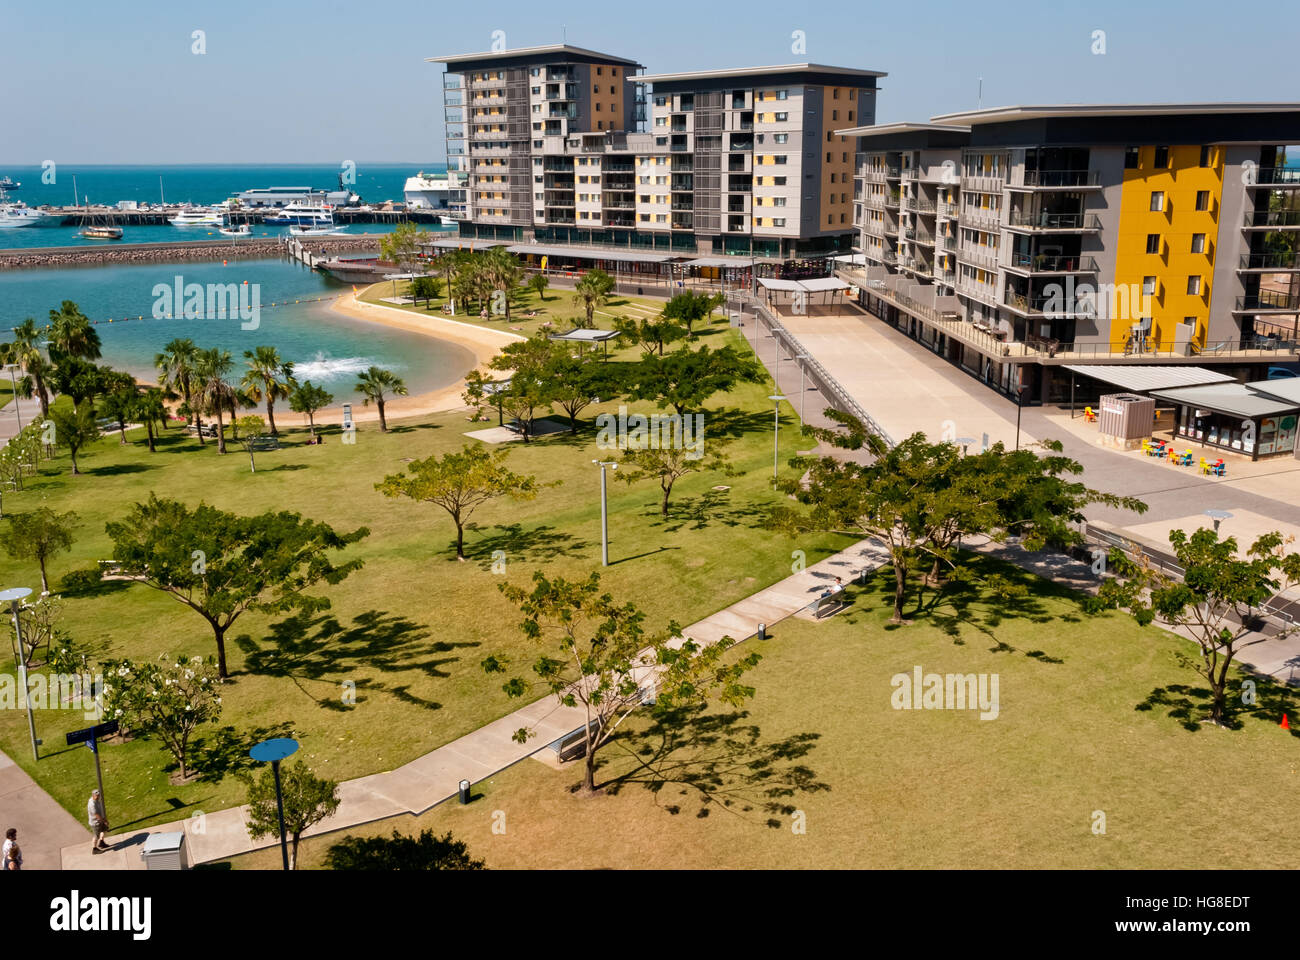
x=880 y=788
x=409 y=629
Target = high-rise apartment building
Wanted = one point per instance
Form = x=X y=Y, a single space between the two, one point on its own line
x=568 y=146
x=1022 y=239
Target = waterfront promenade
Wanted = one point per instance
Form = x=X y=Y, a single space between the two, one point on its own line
x=176 y=251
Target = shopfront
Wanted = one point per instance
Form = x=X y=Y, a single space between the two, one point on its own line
x=1234 y=418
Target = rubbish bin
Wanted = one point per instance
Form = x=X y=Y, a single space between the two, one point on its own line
x=165 y=851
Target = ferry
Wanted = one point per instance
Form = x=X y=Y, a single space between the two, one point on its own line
x=7 y=184
x=302 y=215
x=20 y=215
x=195 y=217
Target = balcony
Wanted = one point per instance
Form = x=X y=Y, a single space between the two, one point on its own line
x=980 y=257
x=946 y=276
x=880 y=174
x=1272 y=220
x=983 y=292
x=875 y=227
x=1059 y=179
x=1279 y=262
x=1053 y=222
x=892 y=201
x=1267 y=301
x=983 y=219
x=982 y=183
x=1041 y=304
x=949 y=211
x=1042 y=263
x=920 y=205
x=1276 y=177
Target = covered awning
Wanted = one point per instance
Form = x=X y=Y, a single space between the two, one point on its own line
x=1235 y=399
x=586 y=336
x=771 y=283
x=853 y=259
x=718 y=262
x=578 y=253
x=823 y=284
x=1143 y=379
x=466 y=244
x=1287 y=389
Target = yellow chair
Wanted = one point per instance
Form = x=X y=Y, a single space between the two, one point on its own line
x=1089 y=415
x=1205 y=468
x=1146 y=447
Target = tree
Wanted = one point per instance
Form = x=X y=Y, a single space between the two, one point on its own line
x=504 y=272
x=668 y=464
x=529 y=388
x=215 y=388
x=308 y=398
x=80 y=380
x=268 y=378
x=169 y=698
x=402 y=246
x=376 y=384
x=177 y=365
x=425 y=288
x=75 y=428
x=252 y=427
x=650 y=334
x=221 y=564
x=687 y=309
x=538 y=284
x=40 y=535
x=592 y=291
x=120 y=399
x=596 y=654
x=150 y=409
x=71 y=334
x=42 y=631
x=1217 y=602
x=685 y=378
x=460 y=483
x=574 y=383
x=26 y=350
x=425 y=852
x=308 y=799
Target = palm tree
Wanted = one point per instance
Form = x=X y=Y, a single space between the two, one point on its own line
x=504 y=272
x=26 y=351
x=374 y=385
x=268 y=378
x=215 y=388
x=150 y=409
x=71 y=334
x=592 y=291
x=176 y=364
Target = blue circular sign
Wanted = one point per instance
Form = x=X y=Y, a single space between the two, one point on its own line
x=269 y=751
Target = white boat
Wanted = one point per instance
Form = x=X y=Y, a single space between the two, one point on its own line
x=195 y=217
x=302 y=215
x=265 y=197
x=18 y=214
x=100 y=232
x=240 y=230
x=447 y=221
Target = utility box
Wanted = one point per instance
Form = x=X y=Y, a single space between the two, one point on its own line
x=1124 y=420
x=165 y=851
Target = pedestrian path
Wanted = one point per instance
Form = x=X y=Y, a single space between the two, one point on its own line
x=429 y=780
x=44 y=827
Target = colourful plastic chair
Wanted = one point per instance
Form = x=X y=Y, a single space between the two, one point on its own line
x=1089 y=415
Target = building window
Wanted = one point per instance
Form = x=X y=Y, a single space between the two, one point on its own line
x=782 y=94
x=835 y=93
x=537 y=144
x=661 y=218
x=1194 y=286
x=598 y=106
x=778 y=201
x=832 y=178
x=835 y=114
x=850 y=112
x=1162 y=158
x=782 y=117
x=1131 y=158
x=599 y=71
x=1148 y=286
x=536 y=72
x=780 y=137
x=830 y=218
x=661 y=101
x=661 y=141
x=828 y=157
x=1157 y=200
x=779 y=158
x=644 y=217
x=645 y=198
x=537 y=89
x=1205 y=158
x=1153 y=243
x=778 y=222
x=660 y=181
x=1198 y=243
x=778 y=181
x=1202 y=199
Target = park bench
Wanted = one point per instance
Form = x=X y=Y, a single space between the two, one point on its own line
x=208 y=430
x=830 y=605
x=264 y=442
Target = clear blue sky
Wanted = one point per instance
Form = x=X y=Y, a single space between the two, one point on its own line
x=330 y=81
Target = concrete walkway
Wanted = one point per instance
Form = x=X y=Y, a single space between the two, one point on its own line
x=44 y=827
x=435 y=777
x=29 y=410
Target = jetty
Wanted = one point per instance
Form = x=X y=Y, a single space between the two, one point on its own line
x=159 y=216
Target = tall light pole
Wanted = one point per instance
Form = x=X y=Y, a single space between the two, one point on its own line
x=12 y=367
x=604 y=511
x=803 y=387
x=776 y=399
x=14 y=597
x=1020 y=403
x=272 y=752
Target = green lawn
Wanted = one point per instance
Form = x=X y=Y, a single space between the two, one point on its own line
x=409 y=629
x=881 y=788
x=556 y=306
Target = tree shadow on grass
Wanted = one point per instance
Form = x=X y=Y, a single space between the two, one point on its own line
x=412 y=427
x=286 y=467
x=322 y=651
x=718 y=761
x=710 y=507
x=520 y=544
x=1190 y=704
x=117 y=469
x=224 y=751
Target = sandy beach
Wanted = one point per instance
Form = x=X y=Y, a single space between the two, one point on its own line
x=483 y=343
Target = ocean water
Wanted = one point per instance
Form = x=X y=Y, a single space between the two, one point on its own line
x=328 y=348
x=192 y=183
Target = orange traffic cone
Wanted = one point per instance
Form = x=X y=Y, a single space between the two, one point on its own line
x=1284 y=725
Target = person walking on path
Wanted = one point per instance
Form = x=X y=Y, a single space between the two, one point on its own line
x=98 y=821
x=11 y=858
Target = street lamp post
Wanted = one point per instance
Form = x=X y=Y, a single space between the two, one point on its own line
x=1218 y=516
x=604 y=511
x=803 y=383
x=776 y=399
x=12 y=367
x=14 y=597
x=272 y=752
x=1020 y=403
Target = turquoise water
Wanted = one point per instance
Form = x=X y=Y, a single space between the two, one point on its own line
x=328 y=348
x=191 y=183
